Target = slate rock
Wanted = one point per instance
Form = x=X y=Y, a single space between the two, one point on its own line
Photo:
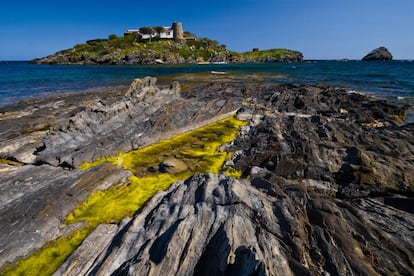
x=327 y=181
x=215 y=225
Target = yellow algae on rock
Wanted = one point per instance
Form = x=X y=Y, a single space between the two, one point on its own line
x=197 y=149
x=173 y=165
x=232 y=172
x=50 y=257
x=112 y=205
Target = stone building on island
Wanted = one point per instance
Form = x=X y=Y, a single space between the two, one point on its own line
x=147 y=33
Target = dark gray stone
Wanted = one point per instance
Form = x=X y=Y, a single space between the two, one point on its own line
x=381 y=54
x=328 y=181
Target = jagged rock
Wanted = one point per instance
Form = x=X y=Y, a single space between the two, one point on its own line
x=23 y=127
x=380 y=53
x=327 y=181
x=216 y=225
x=34 y=200
x=94 y=243
x=315 y=140
x=145 y=108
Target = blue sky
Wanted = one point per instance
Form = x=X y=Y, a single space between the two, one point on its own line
x=320 y=29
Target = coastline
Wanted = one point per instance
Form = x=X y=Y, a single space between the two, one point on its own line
x=388 y=80
x=73 y=97
x=187 y=80
x=314 y=161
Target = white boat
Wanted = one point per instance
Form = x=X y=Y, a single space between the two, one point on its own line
x=218 y=72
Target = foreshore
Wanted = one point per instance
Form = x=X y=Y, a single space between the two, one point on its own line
x=316 y=180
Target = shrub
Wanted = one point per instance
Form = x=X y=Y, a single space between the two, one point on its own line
x=185 y=53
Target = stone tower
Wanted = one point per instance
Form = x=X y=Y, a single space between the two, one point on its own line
x=178 y=31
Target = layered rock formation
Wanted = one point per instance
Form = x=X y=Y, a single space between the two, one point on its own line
x=43 y=143
x=215 y=225
x=327 y=183
x=381 y=54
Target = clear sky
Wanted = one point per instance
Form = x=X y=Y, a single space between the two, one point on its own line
x=320 y=29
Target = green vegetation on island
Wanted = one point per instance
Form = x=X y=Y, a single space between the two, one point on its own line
x=149 y=45
x=271 y=55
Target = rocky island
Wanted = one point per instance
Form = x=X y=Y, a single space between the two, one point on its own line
x=378 y=54
x=207 y=175
x=159 y=45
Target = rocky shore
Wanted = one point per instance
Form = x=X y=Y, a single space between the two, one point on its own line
x=128 y=50
x=325 y=182
x=168 y=56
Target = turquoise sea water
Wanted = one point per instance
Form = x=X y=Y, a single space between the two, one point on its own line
x=393 y=80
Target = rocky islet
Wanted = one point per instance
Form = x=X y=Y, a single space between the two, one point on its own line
x=378 y=54
x=127 y=50
x=327 y=181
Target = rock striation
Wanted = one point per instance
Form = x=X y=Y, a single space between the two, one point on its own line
x=381 y=54
x=44 y=142
x=216 y=225
x=100 y=124
x=327 y=181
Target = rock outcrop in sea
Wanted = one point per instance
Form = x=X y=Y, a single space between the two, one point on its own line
x=326 y=181
x=381 y=54
x=129 y=50
x=168 y=54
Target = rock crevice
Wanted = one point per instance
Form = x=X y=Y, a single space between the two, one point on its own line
x=298 y=232
x=327 y=182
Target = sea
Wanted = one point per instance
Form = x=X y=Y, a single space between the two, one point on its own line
x=390 y=80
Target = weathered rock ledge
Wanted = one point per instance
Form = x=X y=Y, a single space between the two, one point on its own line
x=215 y=225
x=327 y=184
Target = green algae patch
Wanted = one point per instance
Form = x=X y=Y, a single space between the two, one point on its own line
x=198 y=149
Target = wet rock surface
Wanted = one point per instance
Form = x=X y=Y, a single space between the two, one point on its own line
x=327 y=182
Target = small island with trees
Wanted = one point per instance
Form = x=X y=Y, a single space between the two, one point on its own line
x=159 y=45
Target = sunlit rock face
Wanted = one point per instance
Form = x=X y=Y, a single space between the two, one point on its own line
x=212 y=224
x=326 y=181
